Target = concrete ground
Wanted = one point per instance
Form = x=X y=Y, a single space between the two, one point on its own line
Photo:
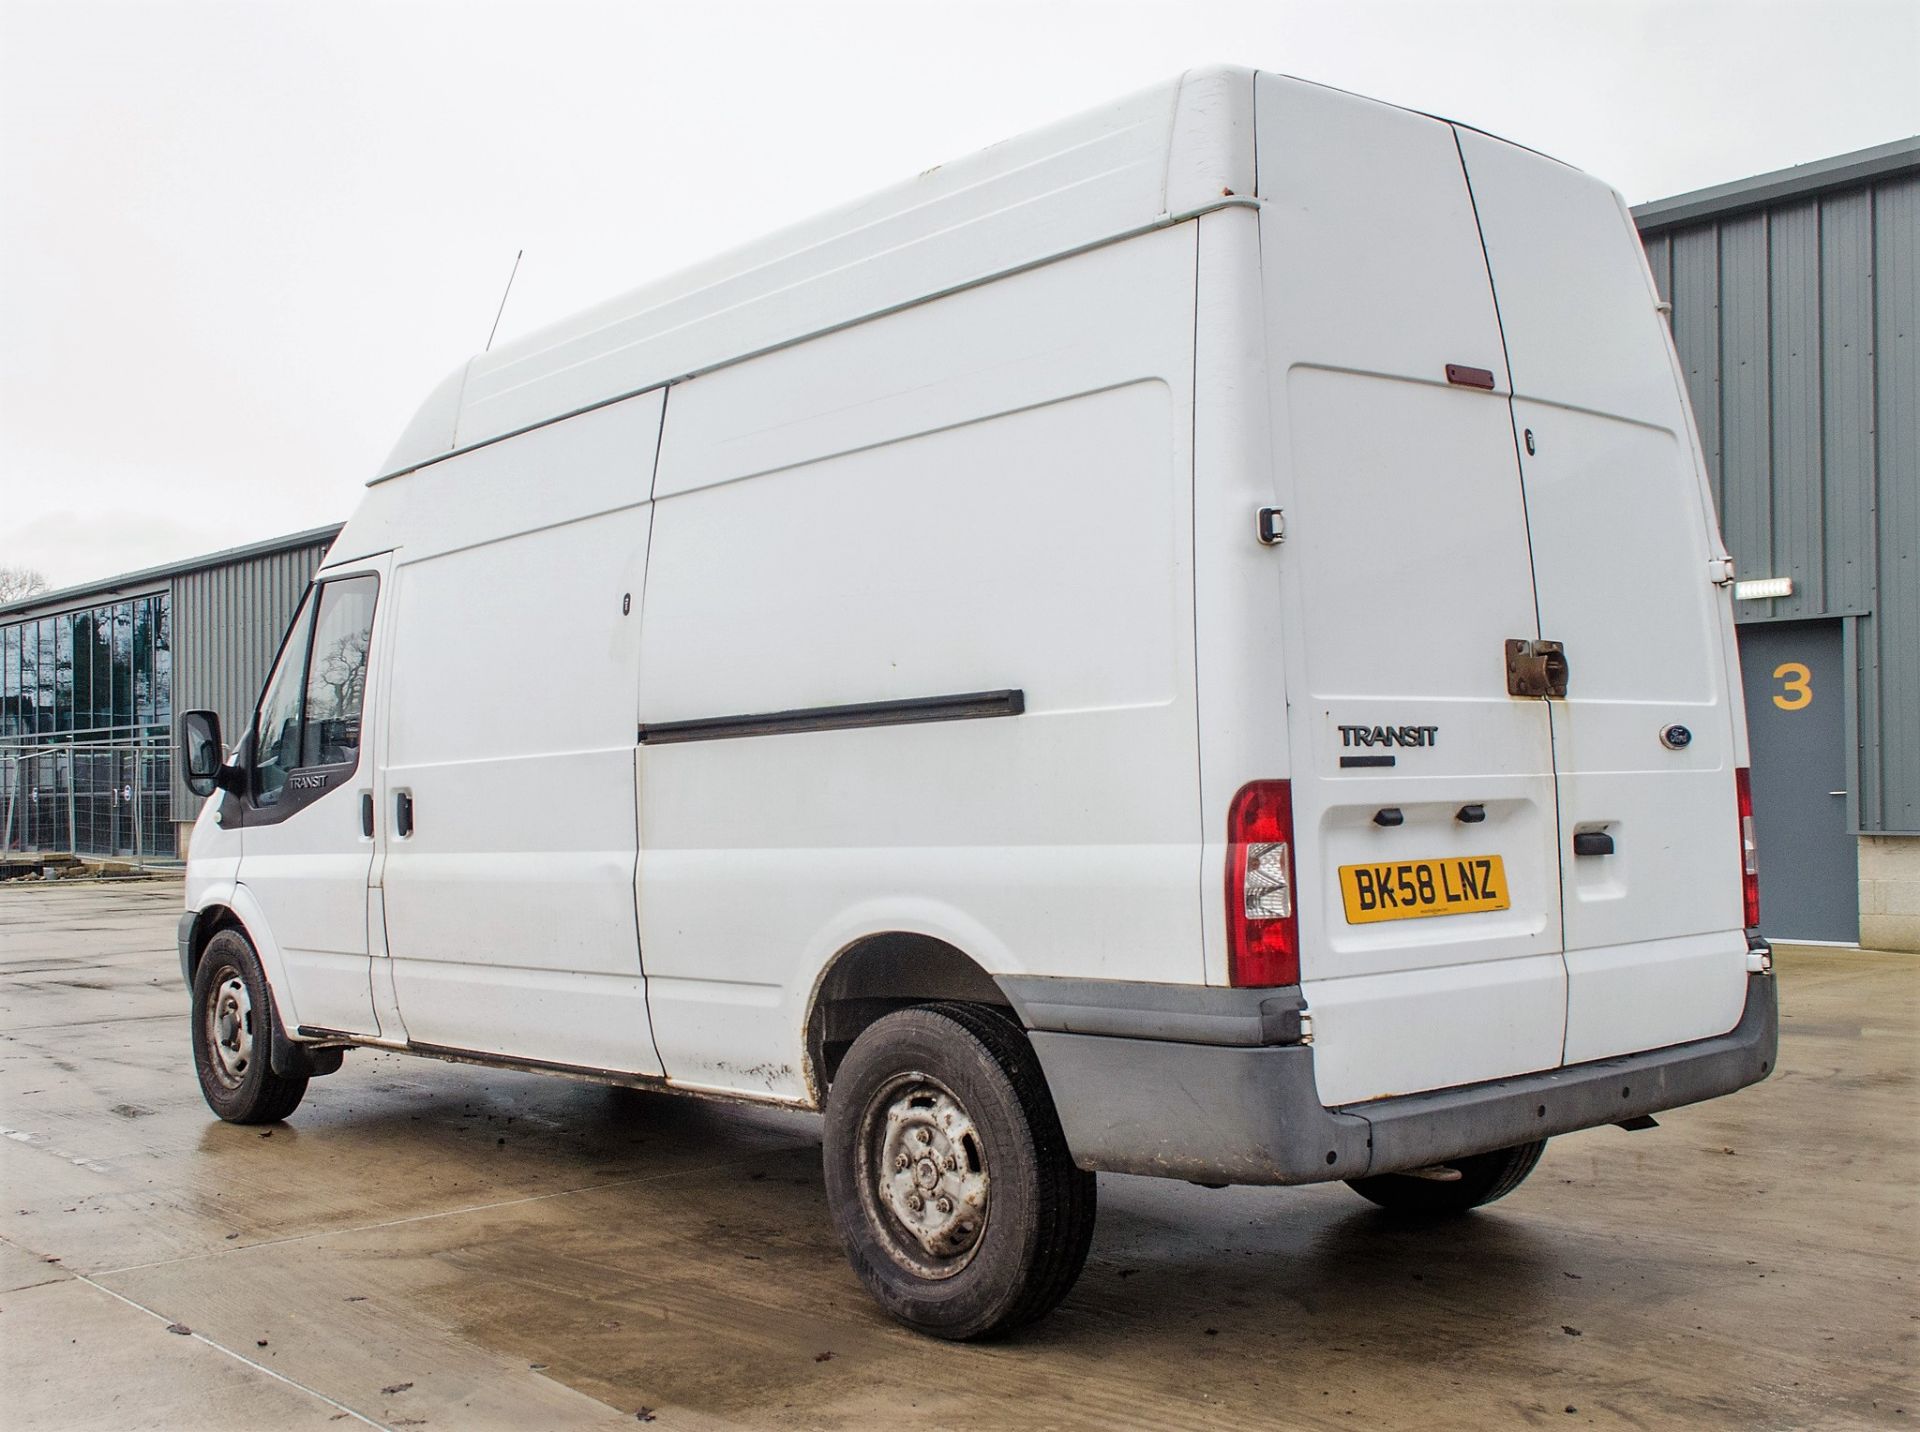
x=433 y=1245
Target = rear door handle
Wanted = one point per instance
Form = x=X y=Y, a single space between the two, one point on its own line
x=1536 y=668
x=403 y=814
x=1592 y=842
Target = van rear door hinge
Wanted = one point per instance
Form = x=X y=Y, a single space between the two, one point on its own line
x=1720 y=571
x=1271 y=526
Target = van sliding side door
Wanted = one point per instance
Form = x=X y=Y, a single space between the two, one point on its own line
x=506 y=799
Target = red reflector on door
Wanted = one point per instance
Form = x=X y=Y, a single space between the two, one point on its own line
x=1469 y=377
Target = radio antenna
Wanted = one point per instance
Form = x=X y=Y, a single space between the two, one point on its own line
x=503 y=301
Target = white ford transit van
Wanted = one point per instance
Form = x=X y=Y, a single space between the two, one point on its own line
x=1194 y=642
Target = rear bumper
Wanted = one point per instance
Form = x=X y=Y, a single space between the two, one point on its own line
x=1214 y=1105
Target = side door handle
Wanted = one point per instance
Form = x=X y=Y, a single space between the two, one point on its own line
x=403 y=814
x=366 y=814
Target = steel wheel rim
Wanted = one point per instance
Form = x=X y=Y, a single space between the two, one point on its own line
x=229 y=1029
x=923 y=1176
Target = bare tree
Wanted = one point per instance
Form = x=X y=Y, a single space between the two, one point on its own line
x=19 y=583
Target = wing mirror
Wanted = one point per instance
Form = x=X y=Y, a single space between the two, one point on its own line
x=202 y=757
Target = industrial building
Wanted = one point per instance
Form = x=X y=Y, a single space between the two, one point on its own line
x=1795 y=305
x=1796 y=313
x=92 y=676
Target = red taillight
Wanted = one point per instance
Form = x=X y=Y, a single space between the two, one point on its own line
x=1263 y=930
x=1749 y=850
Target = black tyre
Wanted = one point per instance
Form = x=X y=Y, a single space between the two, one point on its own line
x=948 y=1176
x=1483 y=1178
x=233 y=1036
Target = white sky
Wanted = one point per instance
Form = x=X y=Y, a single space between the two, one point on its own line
x=240 y=241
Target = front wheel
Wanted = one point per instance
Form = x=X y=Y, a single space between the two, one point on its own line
x=233 y=1036
x=1483 y=1178
x=948 y=1176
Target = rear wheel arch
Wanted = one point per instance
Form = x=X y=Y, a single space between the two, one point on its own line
x=949 y=1179
x=877 y=974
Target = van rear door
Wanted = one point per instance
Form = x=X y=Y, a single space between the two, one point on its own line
x=1625 y=556
x=1423 y=797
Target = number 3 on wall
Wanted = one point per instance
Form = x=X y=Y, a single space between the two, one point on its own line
x=1796 y=684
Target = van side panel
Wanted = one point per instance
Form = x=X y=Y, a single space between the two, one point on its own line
x=987 y=492
x=1165 y=153
x=1242 y=645
x=509 y=909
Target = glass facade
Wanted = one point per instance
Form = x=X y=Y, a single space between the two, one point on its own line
x=86 y=716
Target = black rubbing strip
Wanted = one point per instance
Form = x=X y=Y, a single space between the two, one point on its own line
x=1348 y=761
x=969 y=706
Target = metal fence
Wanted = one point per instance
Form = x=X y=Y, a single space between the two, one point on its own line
x=109 y=799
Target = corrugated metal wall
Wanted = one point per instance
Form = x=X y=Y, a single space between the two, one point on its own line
x=1797 y=327
x=227 y=624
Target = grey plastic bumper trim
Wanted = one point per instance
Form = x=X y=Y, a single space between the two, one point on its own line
x=1187 y=1014
x=1214 y=1113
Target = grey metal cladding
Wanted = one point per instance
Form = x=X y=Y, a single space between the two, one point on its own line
x=1796 y=517
x=1897 y=455
x=1746 y=457
x=227 y=621
x=1843 y=171
x=1796 y=310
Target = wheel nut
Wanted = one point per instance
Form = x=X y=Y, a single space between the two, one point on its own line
x=945 y=1205
x=900 y=1161
x=926 y=1136
x=916 y=1202
x=950 y=1164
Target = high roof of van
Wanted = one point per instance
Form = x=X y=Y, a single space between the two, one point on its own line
x=1155 y=158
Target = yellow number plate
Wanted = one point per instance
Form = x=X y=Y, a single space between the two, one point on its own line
x=1408 y=889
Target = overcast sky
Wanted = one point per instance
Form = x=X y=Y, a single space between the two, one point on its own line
x=239 y=241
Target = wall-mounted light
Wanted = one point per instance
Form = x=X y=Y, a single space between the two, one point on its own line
x=1762 y=588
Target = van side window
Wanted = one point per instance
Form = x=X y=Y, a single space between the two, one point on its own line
x=277 y=734
x=310 y=715
x=337 y=673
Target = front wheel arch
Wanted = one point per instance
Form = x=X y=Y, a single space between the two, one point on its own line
x=290 y=1058
x=208 y=923
x=239 y=1047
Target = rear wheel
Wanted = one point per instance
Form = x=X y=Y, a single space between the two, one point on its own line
x=1483 y=1178
x=948 y=1176
x=233 y=1036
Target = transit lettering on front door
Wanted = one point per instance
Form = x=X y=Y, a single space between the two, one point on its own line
x=1407 y=889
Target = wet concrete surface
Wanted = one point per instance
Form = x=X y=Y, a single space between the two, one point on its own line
x=436 y=1245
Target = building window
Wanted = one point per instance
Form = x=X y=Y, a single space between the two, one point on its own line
x=86 y=711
